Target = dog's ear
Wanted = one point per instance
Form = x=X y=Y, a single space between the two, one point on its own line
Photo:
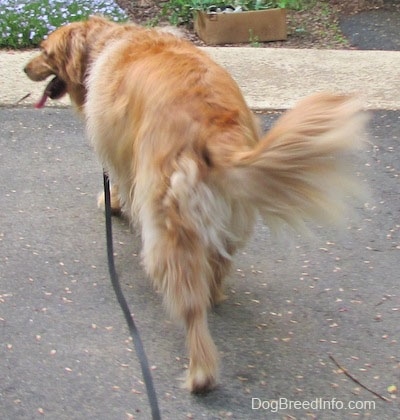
x=65 y=52
x=76 y=56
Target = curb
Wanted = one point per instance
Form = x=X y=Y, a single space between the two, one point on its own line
x=270 y=78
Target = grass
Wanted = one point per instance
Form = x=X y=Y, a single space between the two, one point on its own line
x=24 y=24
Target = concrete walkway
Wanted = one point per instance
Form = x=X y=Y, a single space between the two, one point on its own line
x=270 y=78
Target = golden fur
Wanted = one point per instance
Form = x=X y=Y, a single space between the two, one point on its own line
x=187 y=161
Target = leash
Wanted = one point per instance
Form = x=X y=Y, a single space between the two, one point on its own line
x=137 y=341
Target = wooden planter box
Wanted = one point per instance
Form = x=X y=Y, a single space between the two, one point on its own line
x=241 y=27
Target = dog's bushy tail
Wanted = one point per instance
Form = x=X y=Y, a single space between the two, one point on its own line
x=301 y=169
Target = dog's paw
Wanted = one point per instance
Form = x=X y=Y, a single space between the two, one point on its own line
x=199 y=382
x=115 y=204
x=218 y=297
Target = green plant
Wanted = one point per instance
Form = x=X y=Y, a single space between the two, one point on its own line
x=151 y=23
x=181 y=11
x=254 y=41
x=265 y=4
x=290 y=4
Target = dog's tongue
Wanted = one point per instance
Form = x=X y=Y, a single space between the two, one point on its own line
x=55 y=89
x=42 y=101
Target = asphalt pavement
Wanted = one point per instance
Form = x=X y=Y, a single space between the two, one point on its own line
x=373 y=30
x=293 y=311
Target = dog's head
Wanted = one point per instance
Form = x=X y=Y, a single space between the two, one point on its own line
x=65 y=55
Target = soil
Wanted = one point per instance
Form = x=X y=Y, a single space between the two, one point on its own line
x=315 y=27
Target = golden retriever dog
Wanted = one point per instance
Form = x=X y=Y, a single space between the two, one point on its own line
x=188 y=163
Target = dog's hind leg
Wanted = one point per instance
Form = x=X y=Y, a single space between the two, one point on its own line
x=203 y=354
x=220 y=267
x=176 y=260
